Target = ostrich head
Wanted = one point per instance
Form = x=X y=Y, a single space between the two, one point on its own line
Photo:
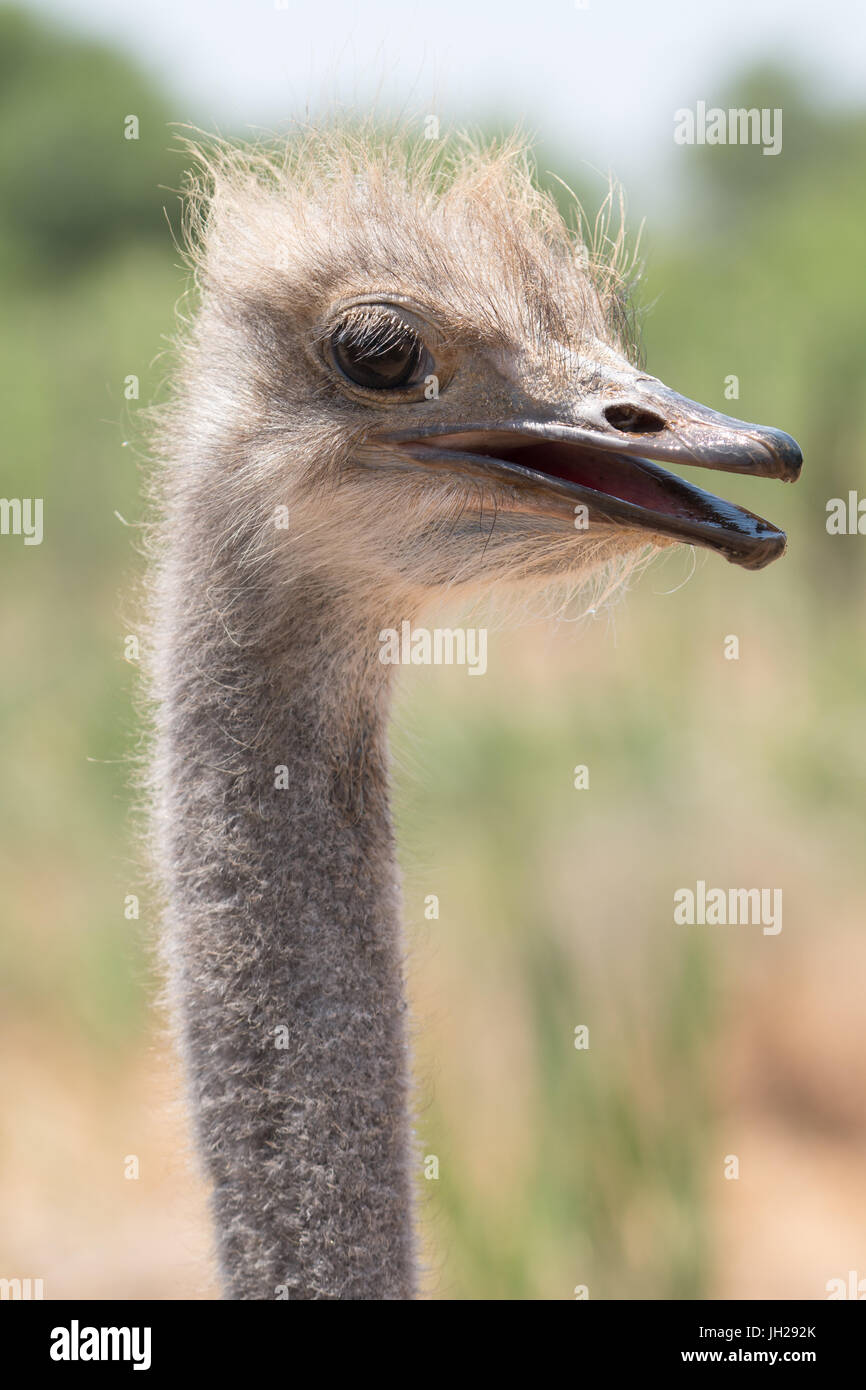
x=438 y=380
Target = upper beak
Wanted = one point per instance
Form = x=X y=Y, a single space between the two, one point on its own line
x=693 y=434
x=605 y=451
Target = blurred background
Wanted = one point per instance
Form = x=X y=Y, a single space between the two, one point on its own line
x=557 y=1167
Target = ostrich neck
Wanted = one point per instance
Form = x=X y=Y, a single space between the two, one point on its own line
x=285 y=953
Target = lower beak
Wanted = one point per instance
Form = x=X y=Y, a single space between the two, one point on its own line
x=606 y=454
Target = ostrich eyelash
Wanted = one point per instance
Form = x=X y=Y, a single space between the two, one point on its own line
x=372 y=333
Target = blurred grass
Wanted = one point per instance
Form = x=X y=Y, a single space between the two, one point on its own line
x=558 y=1167
x=68 y=726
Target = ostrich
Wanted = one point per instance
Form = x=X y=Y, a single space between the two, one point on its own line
x=407 y=379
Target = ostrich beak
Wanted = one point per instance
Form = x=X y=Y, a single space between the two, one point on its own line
x=604 y=452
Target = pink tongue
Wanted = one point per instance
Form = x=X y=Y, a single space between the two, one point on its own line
x=603 y=472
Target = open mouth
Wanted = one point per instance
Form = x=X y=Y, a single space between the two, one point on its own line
x=557 y=467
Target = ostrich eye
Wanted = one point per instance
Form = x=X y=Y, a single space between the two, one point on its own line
x=381 y=354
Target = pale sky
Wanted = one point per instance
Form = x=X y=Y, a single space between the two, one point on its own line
x=600 y=84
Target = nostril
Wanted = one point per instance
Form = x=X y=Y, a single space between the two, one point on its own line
x=633 y=419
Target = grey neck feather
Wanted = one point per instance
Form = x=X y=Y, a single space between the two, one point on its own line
x=283 y=941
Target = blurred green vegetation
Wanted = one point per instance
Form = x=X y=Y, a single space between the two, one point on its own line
x=558 y=1167
x=74 y=188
